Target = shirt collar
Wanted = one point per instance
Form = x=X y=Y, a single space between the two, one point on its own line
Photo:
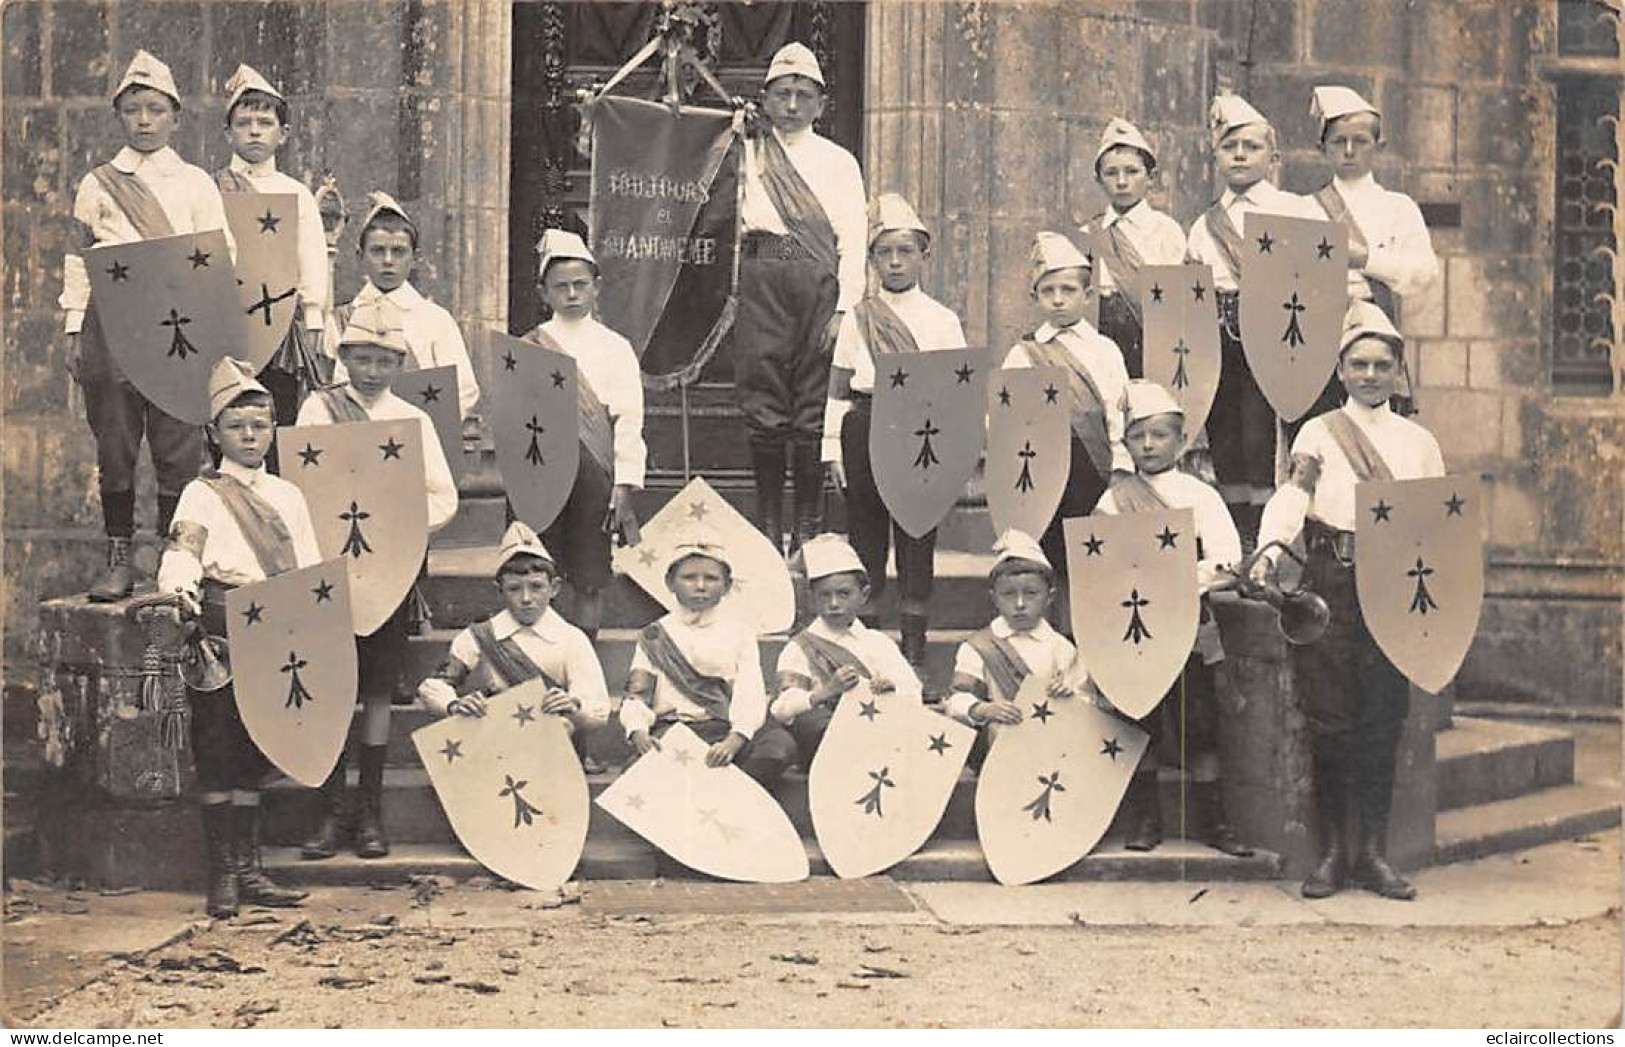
x=130 y=160
x=1362 y=186
x=699 y=619
x=262 y=169
x=901 y=297
x=1367 y=416
x=791 y=141
x=1003 y=630
x=241 y=473
x=505 y=625
x=404 y=297
x=822 y=629
x=1047 y=331
x=1133 y=216
x=1255 y=194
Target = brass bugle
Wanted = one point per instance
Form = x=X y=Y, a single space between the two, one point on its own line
x=1302 y=615
x=205 y=661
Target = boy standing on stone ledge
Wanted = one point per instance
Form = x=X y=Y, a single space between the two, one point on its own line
x=145 y=192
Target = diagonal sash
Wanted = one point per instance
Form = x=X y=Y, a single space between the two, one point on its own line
x=1337 y=209
x=1363 y=456
x=596 y=431
x=825 y=657
x=711 y=693
x=231 y=180
x=1226 y=237
x=341 y=406
x=136 y=199
x=1001 y=661
x=1088 y=407
x=796 y=203
x=1134 y=494
x=262 y=526
x=883 y=330
x=506 y=660
x=1126 y=263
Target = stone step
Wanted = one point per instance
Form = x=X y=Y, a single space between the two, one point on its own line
x=937 y=861
x=1517 y=824
x=1482 y=761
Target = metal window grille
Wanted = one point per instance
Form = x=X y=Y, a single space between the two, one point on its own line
x=1585 y=237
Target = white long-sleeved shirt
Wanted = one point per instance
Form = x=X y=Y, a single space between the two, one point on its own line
x=265 y=178
x=1158 y=238
x=226 y=556
x=439 y=488
x=715 y=645
x=187 y=194
x=1260 y=197
x=558 y=648
x=833 y=175
x=1046 y=652
x=1411 y=452
x=874 y=648
x=607 y=362
x=933 y=325
x=1215 y=530
x=432 y=335
x=1103 y=360
x=1401 y=250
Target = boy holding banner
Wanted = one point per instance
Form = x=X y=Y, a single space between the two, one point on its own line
x=233 y=526
x=610 y=394
x=897 y=317
x=802 y=269
x=144 y=192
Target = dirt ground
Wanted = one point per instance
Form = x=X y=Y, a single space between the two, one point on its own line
x=570 y=967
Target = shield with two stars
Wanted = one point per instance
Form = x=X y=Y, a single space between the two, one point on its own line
x=763 y=593
x=433 y=391
x=716 y=820
x=512 y=786
x=265 y=227
x=926 y=437
x=1294 y=295
x=1182 y=337
x=1052 y=784
x=1135 y=601
x=536 y=423
x=881 y=779
x=1419 y=572
x=363 y=482
x=293 y=667
x=1029 y=447
x=167 y=312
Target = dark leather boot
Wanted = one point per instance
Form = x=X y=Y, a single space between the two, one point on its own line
x=116 y=582
x=217 y=841
x=1331 y=802
x=1144 y=828
x=1216 y=831
x=324 y=841
x=913 y=637
x=1371 y=869
x=370 y=841
x=807 y=486
x=767 y=466
x=253 y=886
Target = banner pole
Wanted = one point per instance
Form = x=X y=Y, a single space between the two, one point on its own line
x=683 y=393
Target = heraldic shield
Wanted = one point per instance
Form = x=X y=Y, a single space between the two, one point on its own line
x=715 y=820
x=293 y=667
x=1029 y=448
x=165 y=310
x=1135 y=602
x=434 y=392
x=763 y=591
x=926 y=437
x=881 y=779
x=1052 y=784
x=265 y=227
x=511 y=786
x=1294 y=295
x=536 y=423
x=1182 y=337
x=364 y=484
x=1419 y=572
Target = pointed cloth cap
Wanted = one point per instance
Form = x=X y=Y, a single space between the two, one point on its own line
x=1365 y=320
x=376 y=322
x=794 y=59
x=146 y=71
x=1052 y=251
x=230 y=379
x=1230 y=111
x=1143 y=399
x=828 y=554
x=1121 y=132
x=381 y=202
x=557 y=244
x=1018 y=545
x=710 y=550
x=247 y=79
x=889 y=212
x=1332 y=101
x=520 y=540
